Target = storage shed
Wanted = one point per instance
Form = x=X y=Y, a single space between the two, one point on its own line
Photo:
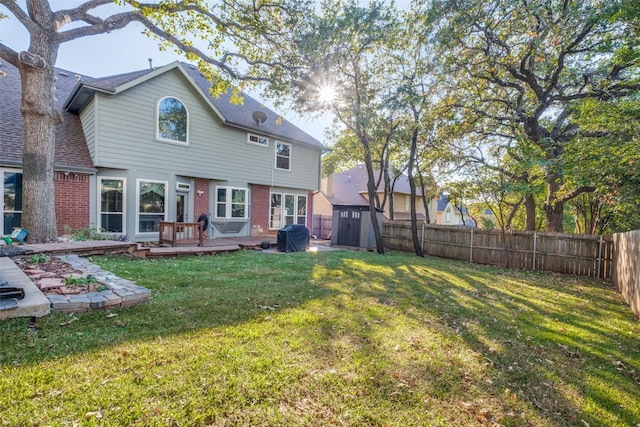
x=351 y=226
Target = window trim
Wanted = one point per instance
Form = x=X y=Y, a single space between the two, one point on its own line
x=124 y=202
x=283 y=213
x=3 y=212
x=249 y=141
x=157 y=123
x=166 y=190
x=276 y=155
x=229 y=203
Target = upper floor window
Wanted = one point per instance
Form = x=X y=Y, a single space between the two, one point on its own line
x=172 y=120
x=283 y=156
x=259 y=140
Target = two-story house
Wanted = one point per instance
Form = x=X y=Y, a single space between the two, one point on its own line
x=155 y=145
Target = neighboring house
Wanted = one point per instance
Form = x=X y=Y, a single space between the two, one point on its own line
x=450 y=214
x=154 y=145
x=350 y=188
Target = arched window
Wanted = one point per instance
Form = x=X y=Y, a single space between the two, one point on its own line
x=172 y=120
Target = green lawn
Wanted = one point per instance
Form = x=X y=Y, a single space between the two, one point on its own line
x=331 y=338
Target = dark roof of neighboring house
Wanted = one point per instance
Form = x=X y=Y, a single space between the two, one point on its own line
x=444 y=200
x=237 y=115
x=349 y=187
x=345 y=190
x=71 y=147
x=359 y=176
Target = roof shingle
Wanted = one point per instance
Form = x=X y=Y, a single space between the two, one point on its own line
x=71 y=147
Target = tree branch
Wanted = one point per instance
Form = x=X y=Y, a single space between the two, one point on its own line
x=20 y=14
x=575 y=193
x=9 y=55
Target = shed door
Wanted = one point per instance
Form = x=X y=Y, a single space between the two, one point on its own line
x=349 y=227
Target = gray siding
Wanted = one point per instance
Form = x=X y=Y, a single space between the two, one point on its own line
x=88 y=120
x=126 y=124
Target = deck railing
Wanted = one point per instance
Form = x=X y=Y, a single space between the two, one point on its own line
x=175 y=233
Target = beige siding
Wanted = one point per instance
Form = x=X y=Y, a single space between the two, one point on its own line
x=127 y=140
x=321 y=206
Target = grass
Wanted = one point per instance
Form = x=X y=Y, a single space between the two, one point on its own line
x=332 y=338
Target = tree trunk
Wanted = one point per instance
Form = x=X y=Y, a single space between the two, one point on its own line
x=412 y=201
x=40 y=119
x=371 y=188
x=425 y=201
x=530 y=212
x=553 y=208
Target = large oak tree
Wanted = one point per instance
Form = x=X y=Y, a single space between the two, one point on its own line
x=519 y=68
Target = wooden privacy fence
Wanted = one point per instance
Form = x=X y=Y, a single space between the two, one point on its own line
x=626 y=267
x=584 y=255
x=321 y=226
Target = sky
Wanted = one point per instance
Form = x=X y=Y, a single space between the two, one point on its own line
x=127 y=50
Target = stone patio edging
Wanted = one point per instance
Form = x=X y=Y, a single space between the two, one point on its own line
x=123 y=293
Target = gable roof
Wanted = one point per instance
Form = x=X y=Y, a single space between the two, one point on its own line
x=443 y=201
x=345 y=190
x=71 y=152
x=236 y=115
x=350 y=186
x=360 y=178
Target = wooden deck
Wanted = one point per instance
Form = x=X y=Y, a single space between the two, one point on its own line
x=101 y=247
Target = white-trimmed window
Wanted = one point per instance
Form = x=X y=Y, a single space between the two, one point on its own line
x=232 y=203
x=283 y=156
x=172 y=120
x=152 y=205
x=112 y=200
x=275 y=218
x=258 y=140
x=287 y=209
x=301 y=217
x=12 y=205
x=447 y=215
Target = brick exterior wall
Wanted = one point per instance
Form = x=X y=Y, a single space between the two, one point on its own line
x=72 y=202
x=200 y=203
x=260 y=205
x=310 y=211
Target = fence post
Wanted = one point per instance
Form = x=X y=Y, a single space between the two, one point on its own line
x=535 y=240
x=599 y=257
x=422 y=238
x=471 y=247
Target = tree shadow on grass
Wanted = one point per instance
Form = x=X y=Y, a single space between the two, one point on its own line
x=553 y=341
x=360 y=339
